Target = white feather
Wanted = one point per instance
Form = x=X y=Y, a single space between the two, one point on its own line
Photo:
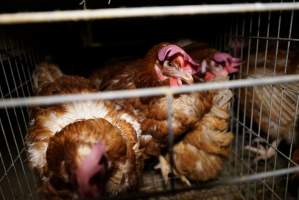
x=146 y=138
x=56 y=122
x=131 y=120
x=75 y=112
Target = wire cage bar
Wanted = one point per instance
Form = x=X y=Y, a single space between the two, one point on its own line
x=266 y=38
x=113 y=13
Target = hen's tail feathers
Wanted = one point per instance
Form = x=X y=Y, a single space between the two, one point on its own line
x=45 y=73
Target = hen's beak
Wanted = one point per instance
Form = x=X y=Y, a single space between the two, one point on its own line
x=185 y=76
x=177 y=72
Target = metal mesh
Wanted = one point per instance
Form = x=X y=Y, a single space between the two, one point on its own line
x=17 y=62
x=259 y=32
x=241 y=178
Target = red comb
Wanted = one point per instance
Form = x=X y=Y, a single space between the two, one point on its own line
x=231 y=64
x=171 y=50
x=221 y=57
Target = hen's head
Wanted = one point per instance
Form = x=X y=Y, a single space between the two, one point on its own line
x=92 y=171
x=174 y=64
x=221 y=65
x=229 y=63
x=84 y=155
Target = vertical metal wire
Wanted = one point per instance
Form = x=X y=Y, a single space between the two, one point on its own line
x=289 y=42
x=267 y=42
x=25 y=68
x=11 y=157
x=292 y=142
x=245 y=97
x=25 y=74
x=261 y=106
x=280 y=110
x=29 y=65
x=257 y=42
x=9 y=93
x=16 y=89
x=231 y=38
x=24 y=64
x=296 y=112
x=29 y=86
x=9 y=188
x=271 y=95
x=170 y=135
x=245 y=100
x=29 y=174
x=12 y=131
x=2 y=195
x=264 y=67
x=277 y=135
x=232 y=160
x=277 y=43
x=22 y=113
x=23 y=80
x=253 y=101
x=237 y=155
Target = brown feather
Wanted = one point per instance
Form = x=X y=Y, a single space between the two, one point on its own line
x=202 y=116
x=200 y=154
x=57 y=132
x=45 y=73
x=275 y=104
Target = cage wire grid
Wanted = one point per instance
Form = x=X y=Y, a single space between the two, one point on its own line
x=239 y=118
x=252 y=180
x=16 y=64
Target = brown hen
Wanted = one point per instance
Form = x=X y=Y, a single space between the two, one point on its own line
x=271 y=107
x=202 y=116
x=82 y=149
x=164 y=65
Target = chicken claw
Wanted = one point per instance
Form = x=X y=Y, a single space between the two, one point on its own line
x=165 y=168
x=184 y=179
x=259 y=140
x=263 y=153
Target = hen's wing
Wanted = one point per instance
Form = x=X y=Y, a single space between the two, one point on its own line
x=106 y=77
x=43 y=74
x=200 y=154
x=271 y=107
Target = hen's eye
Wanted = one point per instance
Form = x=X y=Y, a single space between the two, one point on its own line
x=168 y=64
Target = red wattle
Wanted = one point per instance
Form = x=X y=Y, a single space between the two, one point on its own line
x=209 y=76
x=174 y=82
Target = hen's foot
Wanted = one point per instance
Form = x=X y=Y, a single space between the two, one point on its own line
x=165 y=168
x=259 y=140
x=262 y=152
